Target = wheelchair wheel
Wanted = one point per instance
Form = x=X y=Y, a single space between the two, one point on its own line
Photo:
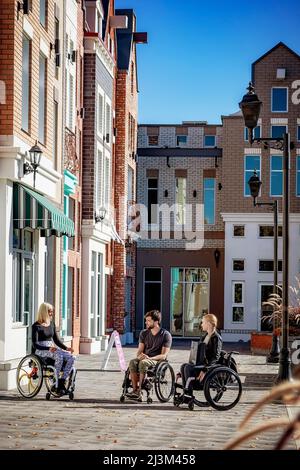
x=29 y=376
x=50 y=382
x=222 y=388
x=164 y=382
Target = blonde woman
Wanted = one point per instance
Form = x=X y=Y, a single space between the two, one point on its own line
x=47 y=344
x=211 y=342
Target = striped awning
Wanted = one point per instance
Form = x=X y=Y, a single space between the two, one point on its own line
x=32 y=210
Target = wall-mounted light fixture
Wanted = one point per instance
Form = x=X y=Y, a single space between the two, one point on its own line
x=166 y=193
x=100 y=214
x=217 y=255
x=194 y=193
x=24 y=6
x=35 y=155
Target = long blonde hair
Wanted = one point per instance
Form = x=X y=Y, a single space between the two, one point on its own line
x=212 y=319
x=43 y=315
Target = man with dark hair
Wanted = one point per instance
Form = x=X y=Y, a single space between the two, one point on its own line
x=154 y=345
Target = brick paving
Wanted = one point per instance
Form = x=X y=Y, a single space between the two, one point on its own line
x=97 y=420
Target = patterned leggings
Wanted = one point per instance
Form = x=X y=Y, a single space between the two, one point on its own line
x=59 y=357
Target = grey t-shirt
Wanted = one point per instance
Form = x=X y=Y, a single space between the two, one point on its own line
x=155 y=343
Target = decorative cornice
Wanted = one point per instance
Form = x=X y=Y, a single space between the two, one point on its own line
x=93 y=45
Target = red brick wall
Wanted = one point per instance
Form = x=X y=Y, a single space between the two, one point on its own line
x=126 y=106
x=233 y=136
x=7 y=21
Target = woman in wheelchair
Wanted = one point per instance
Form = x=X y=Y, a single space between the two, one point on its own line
x=46 y=343
x=212 y=380
x=211 y=347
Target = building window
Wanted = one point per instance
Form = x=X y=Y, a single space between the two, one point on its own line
x=256 y=133
x=70 y=301
x=268 y=231
x=152 y=289
x=57 y=48
x=98 y=180
x=26 y=83
x=278 y=131
x=298 y=177
x=71 y=102
x=23 y=277
x=108 y=123
x=93 y=294
x=72 y=209
x=267 y=265
x=130 y=194
x=209 y=200
x=238 y=302
x=55 y=133
x=42 y=98
x=99 y=302
x=276 y=175
x=209 y=141
x=279 y=100
x=180 y=199
x=152 y=140
x=252 y=162
x=181 y=140
x=265 y=310
x=298 y=133
x=189 y=299
x=152 y=200
x=238 y=265
x=100 y=113
x=239 y=230
x=43 y=12
x=107 y=183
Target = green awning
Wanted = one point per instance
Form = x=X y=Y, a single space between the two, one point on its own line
x=32 y=210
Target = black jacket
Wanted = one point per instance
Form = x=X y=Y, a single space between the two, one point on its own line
x=213 y=348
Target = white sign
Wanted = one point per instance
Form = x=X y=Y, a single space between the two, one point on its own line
x=114 y=339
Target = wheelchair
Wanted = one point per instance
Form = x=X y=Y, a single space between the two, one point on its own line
x=221 y=387
x=33 y=370
x=160 y=377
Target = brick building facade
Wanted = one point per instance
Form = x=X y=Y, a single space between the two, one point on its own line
x=249 y=273
x=31 y=111
x=180 y=255
x=123 y=285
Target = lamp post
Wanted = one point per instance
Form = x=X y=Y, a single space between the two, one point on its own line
x=254 y=185
x=35 y=155
x=251 y=106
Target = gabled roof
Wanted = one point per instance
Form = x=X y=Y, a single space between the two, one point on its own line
x=280 y=44
x=124 y=40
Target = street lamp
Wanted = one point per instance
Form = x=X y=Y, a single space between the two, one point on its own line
x=35 y=155
x=251 y=106
x=254 y=185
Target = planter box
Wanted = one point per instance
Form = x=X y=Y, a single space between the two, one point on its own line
x=261 y=342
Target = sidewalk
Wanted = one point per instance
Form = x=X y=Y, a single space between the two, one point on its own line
x=97 y=420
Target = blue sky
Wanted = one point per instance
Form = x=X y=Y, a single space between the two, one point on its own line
x=197 y=62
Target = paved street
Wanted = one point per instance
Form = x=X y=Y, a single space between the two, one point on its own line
x=97 y=420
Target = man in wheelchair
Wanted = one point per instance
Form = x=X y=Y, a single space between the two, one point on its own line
x=154 y=345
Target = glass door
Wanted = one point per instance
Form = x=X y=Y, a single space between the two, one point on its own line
x=189 y=300
x=28 y=299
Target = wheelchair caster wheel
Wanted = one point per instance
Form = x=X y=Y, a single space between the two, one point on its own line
x=191 y=405
x=149 y=400
x=122 y=398
x=48 y=395
x=71 y=396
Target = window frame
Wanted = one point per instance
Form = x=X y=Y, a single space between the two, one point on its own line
x=236 y=304
x=277 y=125
x=215 y=141
x=258 y=171
x=151 y=223
x=238 y=270
x=287 y=98
x=272 y=174
x=214 y=193
x=238 y=225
